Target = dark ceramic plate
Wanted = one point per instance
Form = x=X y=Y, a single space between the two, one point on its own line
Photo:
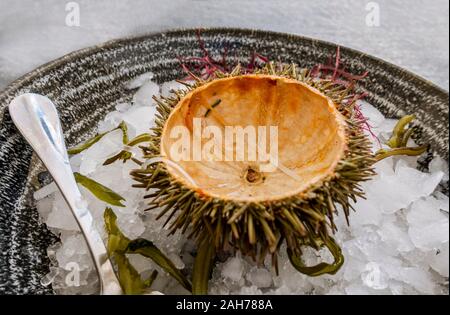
x=85 y=86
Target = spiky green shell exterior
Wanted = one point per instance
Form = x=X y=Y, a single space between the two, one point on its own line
x=258 y=229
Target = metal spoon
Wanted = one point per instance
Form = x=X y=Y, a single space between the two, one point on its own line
x=37 y=119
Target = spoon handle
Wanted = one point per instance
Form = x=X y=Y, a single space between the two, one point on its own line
x=37 y=120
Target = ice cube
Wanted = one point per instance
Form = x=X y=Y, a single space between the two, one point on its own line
x=170 y=85
x=386 y=127
x=396 y=287
x=353 y=267
x=251 y=290
x=140 y=119
x=140 y=263
x=356 y=289
x=438 y=164
x=291 y=278
x=130 y=225
x=427 y=210
x=393 y=192
x=61 y=217
x=374 y=277
x=50 y=276
x=428 y=225
x=75 y=162
x=372 y=114
x=73 y=255
x=282 y=290
x=368 y=245
x=44 y=207
x=139 y=80
x=410 y=161
x=439 y=261
x=385 y=167
x=94 y=156
x=45 y=191
x=111 y=121
x=144 y=96
x=260 y=277
x=391 y=233
x=123 y=107
x=429 y=236
x=233 y=269
x=366 y=212
x=418 y=278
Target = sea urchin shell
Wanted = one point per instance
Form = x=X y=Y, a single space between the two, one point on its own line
x=323 y=155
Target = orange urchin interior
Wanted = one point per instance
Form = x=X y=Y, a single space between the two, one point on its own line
x=311 y=137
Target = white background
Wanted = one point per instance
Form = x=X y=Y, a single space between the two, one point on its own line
x=413 y=33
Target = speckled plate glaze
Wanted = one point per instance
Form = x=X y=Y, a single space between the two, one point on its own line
x=85 y=86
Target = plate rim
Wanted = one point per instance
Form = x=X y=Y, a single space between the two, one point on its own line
x=71 y=56
x=28 y=78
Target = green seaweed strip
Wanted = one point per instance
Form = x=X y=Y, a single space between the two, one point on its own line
x=122 y=155
x=149 y=250
x=415 y=151
x=321 y=268
x=80 y=148
x=98 y=190
x=129 y=278
x=123 y=126
x=145 y=137
x=117 y=242
x=399 y=130
x=202 y=268
x=86 y=145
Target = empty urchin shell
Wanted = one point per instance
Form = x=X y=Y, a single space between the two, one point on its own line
x=323 y=155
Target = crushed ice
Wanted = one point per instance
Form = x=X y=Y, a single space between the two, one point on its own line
x=398 y=242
